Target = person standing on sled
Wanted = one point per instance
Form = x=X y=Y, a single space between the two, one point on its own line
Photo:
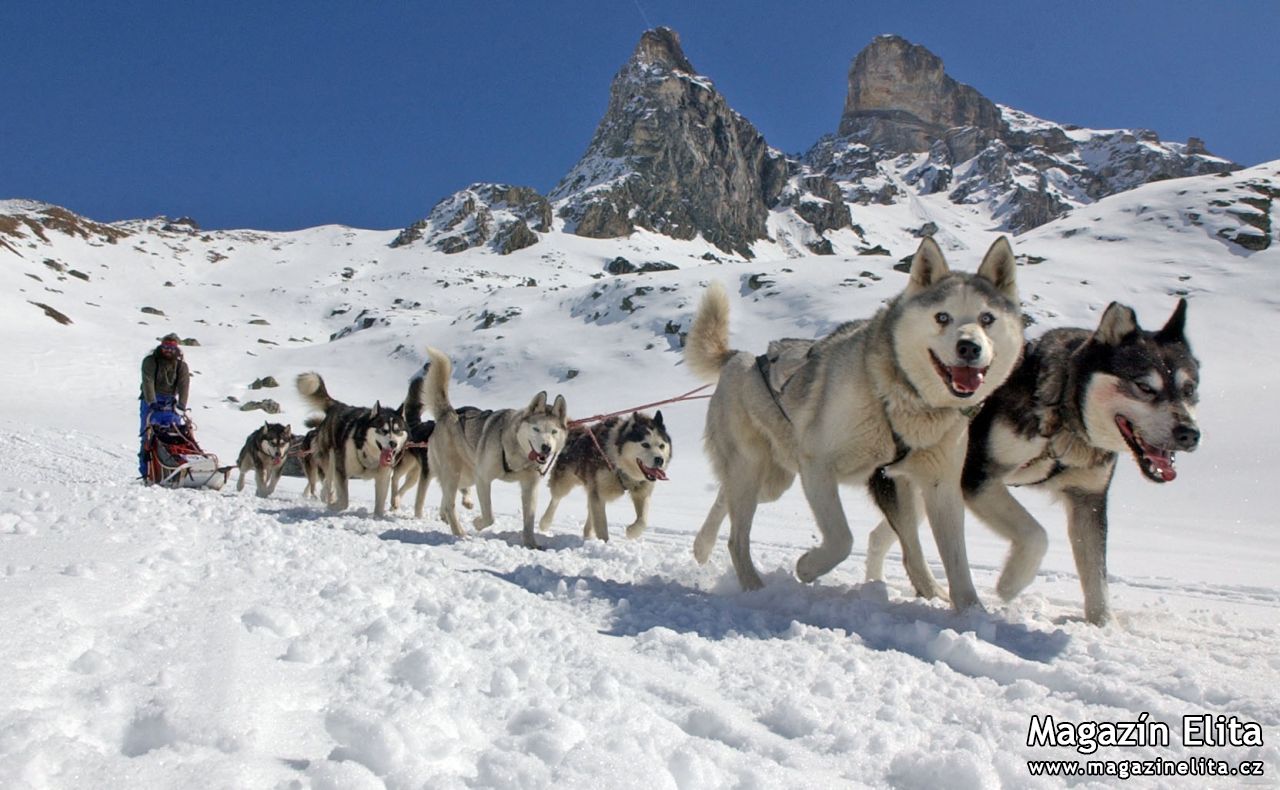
x=166 y=382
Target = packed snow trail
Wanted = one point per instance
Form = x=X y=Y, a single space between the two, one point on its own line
x=164 y=638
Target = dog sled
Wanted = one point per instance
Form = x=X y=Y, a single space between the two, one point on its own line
x=174 y=458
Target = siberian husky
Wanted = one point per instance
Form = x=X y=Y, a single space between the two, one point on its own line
x=1078 y=400
x=312 y=469
x=264 y=452
x=883 y=402
x=414 y=467
x=470 y=446
x=352 y=441
x=625 y=456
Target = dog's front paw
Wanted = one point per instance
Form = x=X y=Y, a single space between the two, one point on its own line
x=636 y=529
x=702 y=548
x=967 y=602
x=749 y=580
x=1097 y=615
x=480 y=522
x=809 y=567
x=933 y=590
x=468 y=502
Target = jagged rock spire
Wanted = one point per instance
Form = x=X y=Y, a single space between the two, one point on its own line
x=671 y=156
x=901 y=98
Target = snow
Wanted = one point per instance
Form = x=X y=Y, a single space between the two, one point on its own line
x=158 y=638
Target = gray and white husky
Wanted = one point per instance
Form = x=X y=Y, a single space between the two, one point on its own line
x=1078 y=400
x=264 y=452
x=626 y=456
x=880 y=402
x=472 y=446
x=414 y=466
x=353 y=441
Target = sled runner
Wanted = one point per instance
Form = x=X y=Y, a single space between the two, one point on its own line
x=174 y=458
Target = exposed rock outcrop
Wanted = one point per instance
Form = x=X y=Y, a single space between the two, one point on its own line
x=499 y=215
x=671 y=156
x=905 y=118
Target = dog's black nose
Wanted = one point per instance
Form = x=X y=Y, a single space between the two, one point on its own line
x=657 y=461
x=968 y=351
x=1186 y=436
x=546 y=449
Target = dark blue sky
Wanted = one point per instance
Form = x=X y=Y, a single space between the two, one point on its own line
x=279 y=115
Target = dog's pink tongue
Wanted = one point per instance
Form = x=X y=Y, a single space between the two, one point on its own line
x=388 y=455
x=967 y=379
x=1162 y=461
x=656 y=473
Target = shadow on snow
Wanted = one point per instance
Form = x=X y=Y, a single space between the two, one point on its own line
x=925 y=631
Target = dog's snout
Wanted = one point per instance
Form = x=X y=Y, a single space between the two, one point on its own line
x=546 y=449
x=1186 y=436
x=657 y=461
x=968 y=351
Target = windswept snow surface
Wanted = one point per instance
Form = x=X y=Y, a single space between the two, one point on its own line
x=157 y=638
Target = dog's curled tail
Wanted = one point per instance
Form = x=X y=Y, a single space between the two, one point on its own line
x=311 y=387
x=707 y=349
x=414 y=401
x=435 y=384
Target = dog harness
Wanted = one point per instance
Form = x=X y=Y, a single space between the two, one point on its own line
x=763 y=364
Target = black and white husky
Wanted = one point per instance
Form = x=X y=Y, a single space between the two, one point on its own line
x=1079 y=399
x=474 y=446
x=264 y=452
x=626 y=456
x=312 y=468
x=352 y=441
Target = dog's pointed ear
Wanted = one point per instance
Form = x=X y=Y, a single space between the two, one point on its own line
x=560 y=409
x=1118 y=322
x=1000 y=267
x=927 y=266
x=538 y=403
x=1175 y=328
x=657 y=418
x=377 y=407
x=288 y=431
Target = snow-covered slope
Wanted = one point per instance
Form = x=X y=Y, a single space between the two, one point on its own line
x=160 y=638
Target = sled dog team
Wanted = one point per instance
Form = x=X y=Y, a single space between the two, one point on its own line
x=935 y=403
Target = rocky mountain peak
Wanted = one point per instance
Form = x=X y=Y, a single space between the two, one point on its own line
x=661 y=48
x=901 y=98
x=672 y=157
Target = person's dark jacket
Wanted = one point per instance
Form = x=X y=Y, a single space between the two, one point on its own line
x=165 y=376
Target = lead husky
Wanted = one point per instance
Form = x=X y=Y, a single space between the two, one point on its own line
x=1078 y=399
x=264 y=452
x=879 y=402
x=473 y=446
x=625 y=456
x=352 y=441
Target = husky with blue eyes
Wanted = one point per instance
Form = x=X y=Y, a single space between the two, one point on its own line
x=1079 y=400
